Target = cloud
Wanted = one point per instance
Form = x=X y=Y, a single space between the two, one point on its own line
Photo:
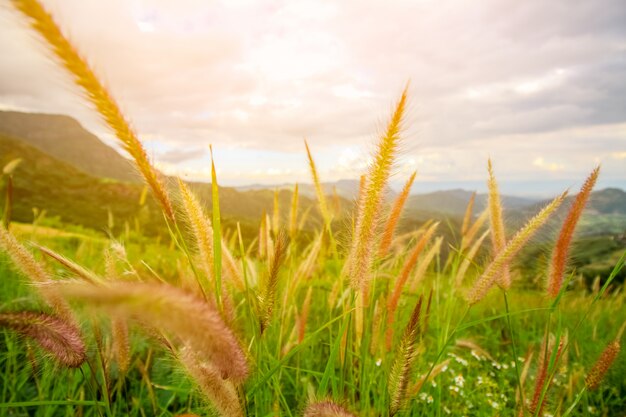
x=487 y=78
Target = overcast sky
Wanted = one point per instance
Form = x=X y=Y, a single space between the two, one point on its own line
x=540 y=86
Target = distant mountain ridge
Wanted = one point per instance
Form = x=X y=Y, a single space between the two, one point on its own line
x=63 y=138
x=65 y=165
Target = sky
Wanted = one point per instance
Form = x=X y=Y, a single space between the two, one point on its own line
x=538 y=86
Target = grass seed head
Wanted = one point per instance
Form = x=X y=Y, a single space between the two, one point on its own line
x=602 y=365
x=506 y=255
x=326 y=409
x=196 y=323
x=561 y=249
x=361 y=252
x=56 y=336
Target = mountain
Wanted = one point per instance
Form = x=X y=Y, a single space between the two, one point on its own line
x=347 y=189
x=44 y=182
x=70 y=173
x=608 y=201
x=63 y=138
x=454 y=202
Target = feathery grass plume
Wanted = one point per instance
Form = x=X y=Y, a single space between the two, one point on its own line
x=55 y=335
x=221 y=393
x=405 y=356
x=506 y=255
x=360 y=256
x=336 y=204
x=231 y=268
x=468 y=214
x=304 y=314
x=602 y=365
x=42 y=22
x=267 y=296
x=70 y=265
x=326 y=409
x=468 y=237
x=35 y=272
x=409 y=264
x=469 y=258
x=307 y=267
x=496 y=221
x=121 y=343
x=561 y=249
x=119 y=325
x=394 y=216
x=361 y=193
x=319 y=191
x=422 y=267
x=203 y=234
x=195 y=322
x=276 y=214
x=293 y=214
x=437 y=369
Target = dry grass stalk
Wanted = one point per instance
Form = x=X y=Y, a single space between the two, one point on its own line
x=221 y=393
x=439 y=368
x=543 y=377
x=304 y=314
x=326 y=409
x=467 y=218
x=561 y=249
x=484 y=283
x=473 y=346
x=468 y=259
x=119 y=326
x=42 y=22
x=293 y=214
x=36 y=273
x=70 y=265
x=121 y=343
x=405 y=356
x=409 y=264
x=360 y=256
x=422 y=266
x=319 y=191
x=276 y=214
x=394 y=216
x=307 y=267
x=230 y=268
x=193 y=321
x=267 y=296
x=263 y=249
x=602 y=365
x=336 y=203
x=56 y=336
x=496 y=221
x=473 y=230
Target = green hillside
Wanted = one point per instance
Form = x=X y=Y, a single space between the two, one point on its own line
x=45 y=183
x=63 y=138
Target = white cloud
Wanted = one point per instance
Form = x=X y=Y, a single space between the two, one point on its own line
x=506 y=78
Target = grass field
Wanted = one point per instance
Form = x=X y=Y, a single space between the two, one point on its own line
x=352 y=319
x=475 y=367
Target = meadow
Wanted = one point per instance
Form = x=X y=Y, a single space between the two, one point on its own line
x=351 y=317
